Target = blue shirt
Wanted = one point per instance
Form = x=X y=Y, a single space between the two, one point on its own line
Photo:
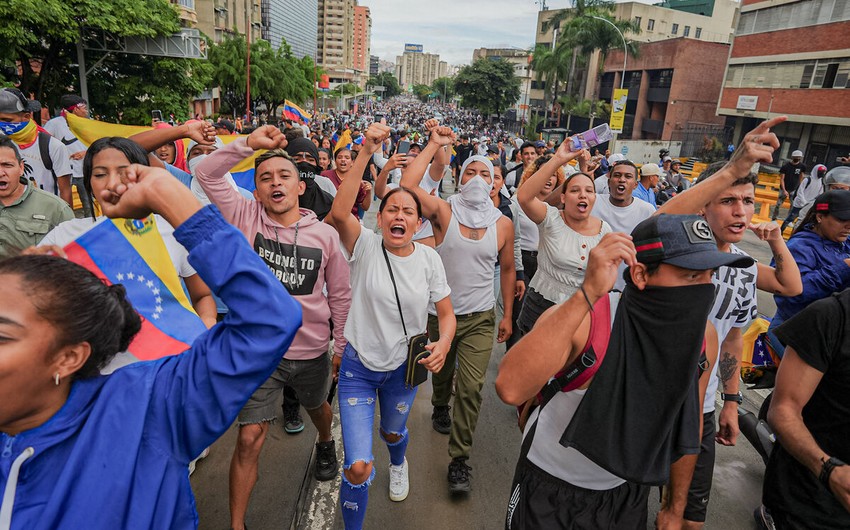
x=644 y=194
x=115 y=455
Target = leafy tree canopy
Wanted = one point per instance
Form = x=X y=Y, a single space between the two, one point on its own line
x=388 y=81
x=489 y=86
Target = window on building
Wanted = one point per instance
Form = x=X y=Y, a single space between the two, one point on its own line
x=675 y=29
x=687 y=31
x=808 y=71
x=650 y=24
x=829 y=75
x=637 y=21
x=794 y=15
x=698 y=33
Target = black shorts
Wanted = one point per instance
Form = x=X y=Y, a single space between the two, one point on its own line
x=539 y=500
x=700 y=490
x=533 y=305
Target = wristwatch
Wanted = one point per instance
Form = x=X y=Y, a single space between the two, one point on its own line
x=828 y=465
x=737 y=398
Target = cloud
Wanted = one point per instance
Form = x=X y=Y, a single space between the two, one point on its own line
x=451 y=28
x=454 y=28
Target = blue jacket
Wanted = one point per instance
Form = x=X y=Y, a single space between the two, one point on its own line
x=115 y=456
x=822 y=269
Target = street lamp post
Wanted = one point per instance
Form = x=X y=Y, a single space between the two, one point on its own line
x=623 y=75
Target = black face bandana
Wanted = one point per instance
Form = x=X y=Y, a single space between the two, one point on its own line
x=641 y=412
x=314 y=197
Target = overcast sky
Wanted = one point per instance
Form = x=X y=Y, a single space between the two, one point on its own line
x=454 y=28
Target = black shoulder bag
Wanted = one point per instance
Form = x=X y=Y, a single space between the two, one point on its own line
x=416 y=374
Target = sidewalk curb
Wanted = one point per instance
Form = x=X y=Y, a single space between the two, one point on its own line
x=316 y=505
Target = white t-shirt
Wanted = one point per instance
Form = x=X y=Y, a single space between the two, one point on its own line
x=58 y=128
x=601 y=184
x=374 y=325
x=70 y=230
x=734 y=307
x=34 y=167
x=622 y=219
x=562 y=257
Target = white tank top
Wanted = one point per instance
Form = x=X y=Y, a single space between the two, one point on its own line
x=469 y=268
x=567 y=464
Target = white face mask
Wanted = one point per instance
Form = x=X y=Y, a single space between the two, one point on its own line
x=193 y=163
x=476 y=191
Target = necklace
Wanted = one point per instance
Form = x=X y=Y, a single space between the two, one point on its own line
x=294 y=252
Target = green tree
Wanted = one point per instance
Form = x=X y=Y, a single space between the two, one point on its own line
x=388 y=81
x=126 y=89
x=445 y=87
x=275 y=75
x=41 y=36
x=423 y=92
x=579 y=35
x=489 y=86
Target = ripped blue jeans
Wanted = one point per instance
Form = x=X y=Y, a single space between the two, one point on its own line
x=359 y=390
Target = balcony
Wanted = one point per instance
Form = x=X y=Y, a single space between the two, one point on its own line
x=652 y=126
x=658 y=95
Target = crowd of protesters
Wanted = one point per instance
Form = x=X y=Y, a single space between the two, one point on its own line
x=574 y=260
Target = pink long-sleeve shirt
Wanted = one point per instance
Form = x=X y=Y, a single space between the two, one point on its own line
x=318 y=278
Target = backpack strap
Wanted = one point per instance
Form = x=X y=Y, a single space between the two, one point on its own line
x=46 y=161
x=587 y=364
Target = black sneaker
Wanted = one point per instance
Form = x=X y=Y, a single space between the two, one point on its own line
x=326 y=463
x=292 y=422
x=441 y=420
x=459 y=475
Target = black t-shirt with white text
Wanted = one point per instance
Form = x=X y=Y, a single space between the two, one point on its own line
x=821 y=339
x=792 y=174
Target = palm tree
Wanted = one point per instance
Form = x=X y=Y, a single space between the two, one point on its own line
x=583 y=35
x=549 y=62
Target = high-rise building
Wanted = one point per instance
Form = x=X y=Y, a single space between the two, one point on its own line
x=417 y=68
x=293 y=20
x=335 y=40
x=374 y=65
x=220 y=18
x=792 y=58
x=362 y=38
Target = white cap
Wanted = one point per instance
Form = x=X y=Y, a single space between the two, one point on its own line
x=797 y=154
x=616 y=157
x=650 y=169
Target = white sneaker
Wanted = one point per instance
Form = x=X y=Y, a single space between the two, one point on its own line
x=399 y=482
x=205 y=453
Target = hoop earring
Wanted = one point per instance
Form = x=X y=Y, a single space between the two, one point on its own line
x=56 y=378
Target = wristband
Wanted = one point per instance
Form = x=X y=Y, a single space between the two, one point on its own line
x=587 y=298
x=737 y=398
x=829 y=464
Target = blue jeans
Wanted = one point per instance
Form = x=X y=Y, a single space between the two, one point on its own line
x=359 y=389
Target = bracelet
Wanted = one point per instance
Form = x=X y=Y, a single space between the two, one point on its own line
x=829 y=464
x=587 y=298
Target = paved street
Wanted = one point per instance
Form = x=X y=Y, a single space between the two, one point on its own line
x=284 y=477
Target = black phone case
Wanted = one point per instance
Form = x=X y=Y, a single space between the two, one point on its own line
x=417 y=374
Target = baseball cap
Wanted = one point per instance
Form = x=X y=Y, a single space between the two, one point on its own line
x=667 y=159
x=539 y=143
x=837 y=175
x=683 y=241
x=835 y=203
x=616 y=157
x=225 y=124
x=70 y=101
x=797 y=154
x=675 y=161
x=13 y=101
x=649 y=169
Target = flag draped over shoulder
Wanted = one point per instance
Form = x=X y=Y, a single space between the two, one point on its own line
x=294 y=112
x=344 y=141
x=87 y=131
x=131 y=252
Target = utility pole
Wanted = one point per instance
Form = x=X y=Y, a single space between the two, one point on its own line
x=248 y=63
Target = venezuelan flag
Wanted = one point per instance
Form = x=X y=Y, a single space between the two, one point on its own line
x=87 y=131
x=131 y=252
x=294 y=112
